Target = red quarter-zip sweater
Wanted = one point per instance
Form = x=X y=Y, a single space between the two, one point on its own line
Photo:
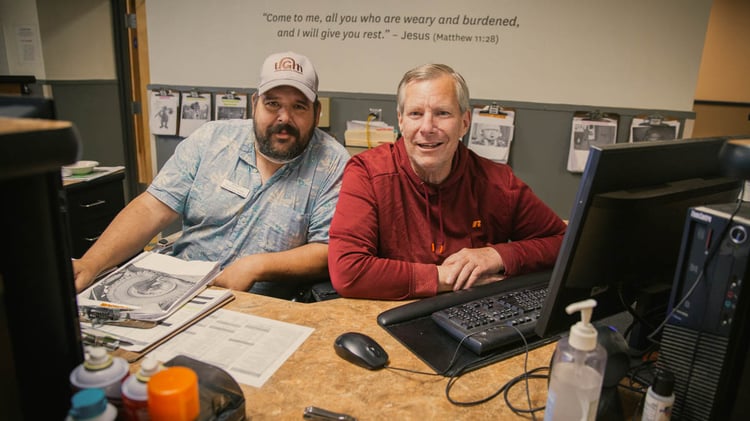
x=391 y=229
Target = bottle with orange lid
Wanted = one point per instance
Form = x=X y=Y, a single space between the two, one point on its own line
x=173 y=395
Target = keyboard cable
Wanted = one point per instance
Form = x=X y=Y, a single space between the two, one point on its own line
x=505 y=389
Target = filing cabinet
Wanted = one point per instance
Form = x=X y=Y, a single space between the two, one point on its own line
x=92 y=205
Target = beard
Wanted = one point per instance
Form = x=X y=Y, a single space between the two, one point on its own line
x=272 y=151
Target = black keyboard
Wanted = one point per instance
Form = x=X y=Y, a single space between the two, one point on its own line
x=484 y=324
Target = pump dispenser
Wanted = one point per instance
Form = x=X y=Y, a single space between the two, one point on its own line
x=577 y=370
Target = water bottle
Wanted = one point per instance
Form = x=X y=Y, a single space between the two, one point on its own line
x=91 y=405
x=101 y=370
x=135 y=393
x=577 y=370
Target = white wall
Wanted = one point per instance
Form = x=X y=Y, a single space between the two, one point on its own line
x=78 y=39
x=637 y=54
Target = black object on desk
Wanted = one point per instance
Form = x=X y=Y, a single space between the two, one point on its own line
x=413 y=326
x=220 y=396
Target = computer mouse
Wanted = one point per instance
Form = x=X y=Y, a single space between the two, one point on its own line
x=361 y=350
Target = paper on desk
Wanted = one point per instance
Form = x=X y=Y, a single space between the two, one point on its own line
x=248 y=347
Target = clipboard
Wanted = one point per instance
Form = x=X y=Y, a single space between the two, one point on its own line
x=590 y=128
x=230 y=105
x=653 y=126
x=195 y=109
x=491 y=133
x=164 y=106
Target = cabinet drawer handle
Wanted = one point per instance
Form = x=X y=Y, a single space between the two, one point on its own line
x=93 y=204
x=91 y=239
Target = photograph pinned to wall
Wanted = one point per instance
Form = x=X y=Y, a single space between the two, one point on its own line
x=590 y=128
x=195 y=110
x=164 y=105
x=492 y=132
x=230 y=105
x=653 y=127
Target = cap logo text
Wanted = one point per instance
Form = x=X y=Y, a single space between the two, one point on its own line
x=288 y=63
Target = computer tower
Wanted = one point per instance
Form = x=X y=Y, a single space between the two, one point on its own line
x=705 y=341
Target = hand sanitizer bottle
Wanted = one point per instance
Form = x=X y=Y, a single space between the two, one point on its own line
x=577 y=370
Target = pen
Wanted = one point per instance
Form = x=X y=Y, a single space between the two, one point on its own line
x=109 y=342
x=315 y=413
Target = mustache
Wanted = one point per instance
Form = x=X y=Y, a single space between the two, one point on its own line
x=283 y=127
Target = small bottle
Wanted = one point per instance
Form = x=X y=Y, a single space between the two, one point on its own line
x=101 y=370
x=173 y=395
x=91 y=405
x=577 y=370
x=659 y=397
x=135 y=393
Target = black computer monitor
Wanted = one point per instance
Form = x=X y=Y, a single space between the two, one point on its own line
x=40 y=339
x=623 y=238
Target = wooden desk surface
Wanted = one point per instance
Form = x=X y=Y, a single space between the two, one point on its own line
x=315 y=376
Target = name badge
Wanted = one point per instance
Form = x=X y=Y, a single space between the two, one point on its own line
x=234 y=188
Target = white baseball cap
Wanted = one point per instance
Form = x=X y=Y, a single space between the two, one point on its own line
x=289 y=69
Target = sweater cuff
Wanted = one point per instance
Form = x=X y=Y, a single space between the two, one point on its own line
x=425 y=280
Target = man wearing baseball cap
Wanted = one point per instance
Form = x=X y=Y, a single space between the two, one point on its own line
x=255 y=195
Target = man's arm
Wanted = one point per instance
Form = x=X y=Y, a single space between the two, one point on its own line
x=306 y=262
x=126 y=235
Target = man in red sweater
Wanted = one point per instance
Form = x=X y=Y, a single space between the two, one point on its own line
x=425 y=214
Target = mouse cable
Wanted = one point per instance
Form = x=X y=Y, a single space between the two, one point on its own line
x=453 y=360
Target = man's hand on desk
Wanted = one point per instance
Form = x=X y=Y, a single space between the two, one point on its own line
x=469 y=267
x=83 y=274
x=242 y=274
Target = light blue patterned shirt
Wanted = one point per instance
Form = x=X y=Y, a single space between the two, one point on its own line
x=227 y=213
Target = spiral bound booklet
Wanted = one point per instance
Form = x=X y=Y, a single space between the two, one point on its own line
x=150 y=287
